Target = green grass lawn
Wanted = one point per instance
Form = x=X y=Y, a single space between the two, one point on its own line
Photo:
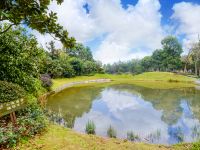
x=59 y=138
x=161 y=80
x=163 y=76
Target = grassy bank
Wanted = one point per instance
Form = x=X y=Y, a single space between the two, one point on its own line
x=59 y=138
x=161 y=80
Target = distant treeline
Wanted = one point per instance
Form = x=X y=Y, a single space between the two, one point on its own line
x=166 y=59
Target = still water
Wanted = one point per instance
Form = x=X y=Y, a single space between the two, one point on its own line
x=156 y=116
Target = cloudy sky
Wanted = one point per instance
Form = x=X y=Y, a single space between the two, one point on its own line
x=125 y=29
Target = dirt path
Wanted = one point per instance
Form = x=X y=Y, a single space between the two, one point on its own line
x=80 y=82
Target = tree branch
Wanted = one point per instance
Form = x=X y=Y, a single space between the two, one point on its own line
x=7 y=29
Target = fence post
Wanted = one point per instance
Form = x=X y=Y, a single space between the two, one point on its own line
x=13 y=118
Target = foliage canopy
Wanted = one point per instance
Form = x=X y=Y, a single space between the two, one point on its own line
x=34 y=14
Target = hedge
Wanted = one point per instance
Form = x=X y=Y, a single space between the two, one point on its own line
x=10 y=92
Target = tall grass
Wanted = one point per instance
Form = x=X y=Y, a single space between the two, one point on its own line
x=132 y=137
x=111 y=132
x=90 y=127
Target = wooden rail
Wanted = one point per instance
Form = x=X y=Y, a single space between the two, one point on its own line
x=9 y=107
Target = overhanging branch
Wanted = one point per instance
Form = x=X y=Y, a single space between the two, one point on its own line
x=7 y=29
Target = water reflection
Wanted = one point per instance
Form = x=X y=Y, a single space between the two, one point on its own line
x=156 y=116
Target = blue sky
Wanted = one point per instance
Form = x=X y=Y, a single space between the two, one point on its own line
x=166 y=6
x=126 y=29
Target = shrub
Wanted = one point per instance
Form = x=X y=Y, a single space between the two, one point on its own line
x=30 y=121
x=90 y=127
x=111 y=132
x=46 y=81
x=10 y=92
x=132 y=137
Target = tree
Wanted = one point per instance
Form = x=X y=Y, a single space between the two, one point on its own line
x=88 y=67
x=196 y=56
x=34 y=14
x=169 y=57
x=54 y=53
x=157 y=60
x=80 y=51
x=68 y=70
x=187 y=59
x=20 y=59
x=77 y=65
x=172 y=50
x=99 y=67
x=133 y=66
x=146 y=63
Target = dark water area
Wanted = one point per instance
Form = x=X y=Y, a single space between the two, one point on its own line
x=155 y=115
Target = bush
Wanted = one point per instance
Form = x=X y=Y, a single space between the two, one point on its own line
x=10 y=92
x=111 y=132
x=30 y=121
x=90 y=127
x=46 y=81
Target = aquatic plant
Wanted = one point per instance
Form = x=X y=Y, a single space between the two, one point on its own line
x=90 y=127
x=152 y=137
x=196 y=132
x=56 y=118
x=111 y=132
x=132 y=137
x=179 y=135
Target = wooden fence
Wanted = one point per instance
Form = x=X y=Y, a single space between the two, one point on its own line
x=10 y=107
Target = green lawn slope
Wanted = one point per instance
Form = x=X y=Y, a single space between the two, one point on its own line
x=163 y=76
x=59 y=138
x=161 y=80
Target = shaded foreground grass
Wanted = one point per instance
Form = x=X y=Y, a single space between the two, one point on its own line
x=59 y=138
x=155 y=80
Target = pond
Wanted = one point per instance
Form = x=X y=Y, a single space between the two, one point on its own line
x=156 y=115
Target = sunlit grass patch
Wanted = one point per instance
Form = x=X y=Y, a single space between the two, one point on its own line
x=60 y=138
x=154 y=80
x=163 y=76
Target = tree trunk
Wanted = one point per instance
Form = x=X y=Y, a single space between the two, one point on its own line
x=199 y=71
x=196 y=71
x=185 y=69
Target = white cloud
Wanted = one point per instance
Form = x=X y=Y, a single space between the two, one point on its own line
x=74 y=18
x=43 y=40
x=128 y=33
x=131 y=33
x=187 y=15
x=116 y=105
